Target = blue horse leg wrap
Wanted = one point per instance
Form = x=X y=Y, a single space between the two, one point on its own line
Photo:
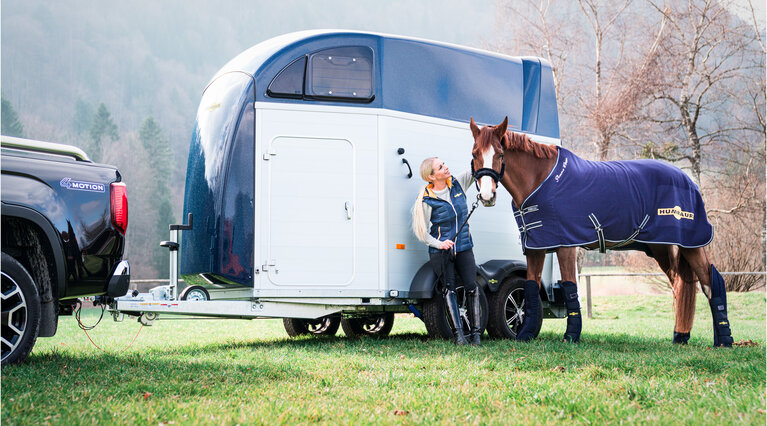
x=718 y=304
x=574 y=323
x=527 y=330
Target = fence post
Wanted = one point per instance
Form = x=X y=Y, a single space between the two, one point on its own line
x=588 y=295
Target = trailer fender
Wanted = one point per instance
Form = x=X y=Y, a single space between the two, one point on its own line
x=491 y=274
x=423 y=283
x=496 y=270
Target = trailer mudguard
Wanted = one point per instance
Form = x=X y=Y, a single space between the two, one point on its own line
x=496 y=270
x=423 y=283
x=493 y=272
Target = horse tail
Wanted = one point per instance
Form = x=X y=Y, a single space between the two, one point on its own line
x=684 y=294
x=419 y=221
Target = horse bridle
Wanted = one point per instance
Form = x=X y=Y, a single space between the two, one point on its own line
x=485 y=171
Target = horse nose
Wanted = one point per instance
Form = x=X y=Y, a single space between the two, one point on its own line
x=486 y=190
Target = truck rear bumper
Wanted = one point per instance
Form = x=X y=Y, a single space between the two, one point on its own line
x=120 y=280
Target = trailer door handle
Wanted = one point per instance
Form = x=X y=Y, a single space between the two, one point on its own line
x=348 y=207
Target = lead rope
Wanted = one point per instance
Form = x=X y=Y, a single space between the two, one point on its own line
x=473 y=207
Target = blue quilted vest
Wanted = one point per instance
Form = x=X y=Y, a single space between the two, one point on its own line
x=446 y=219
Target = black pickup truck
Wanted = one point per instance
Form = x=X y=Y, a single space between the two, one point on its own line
x=64 y=219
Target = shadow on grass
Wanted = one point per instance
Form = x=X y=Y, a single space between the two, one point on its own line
x=418 y=346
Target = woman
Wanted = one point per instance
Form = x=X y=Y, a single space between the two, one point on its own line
x=438 y=214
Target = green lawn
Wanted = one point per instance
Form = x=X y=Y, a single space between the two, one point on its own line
x=229 y=372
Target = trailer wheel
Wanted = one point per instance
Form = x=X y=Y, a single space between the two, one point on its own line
x=20 y=311
x=325 y=326
x=435 y=315
x=195 y=293
x=507 y=310
x=374 y=325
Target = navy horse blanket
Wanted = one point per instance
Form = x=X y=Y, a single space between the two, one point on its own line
x=620 y=205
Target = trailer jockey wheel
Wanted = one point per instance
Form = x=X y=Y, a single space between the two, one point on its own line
x=325 y=326
x=373 y=325
x=195 y=293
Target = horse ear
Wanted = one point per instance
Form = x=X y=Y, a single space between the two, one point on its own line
x=474 y=128
x=500 y=130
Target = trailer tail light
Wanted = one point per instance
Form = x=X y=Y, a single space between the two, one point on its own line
x=119 y=204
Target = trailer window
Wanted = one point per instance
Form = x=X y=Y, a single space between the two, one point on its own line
x=338 y=74
x=341 y=73
x=289 y=83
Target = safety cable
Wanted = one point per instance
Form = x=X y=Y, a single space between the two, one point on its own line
x=79 y=308
x=85 y=328
x=121 y=350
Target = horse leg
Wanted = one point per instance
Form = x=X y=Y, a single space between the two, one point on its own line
x=566 y=257
x=712 y=284
x=682 y=282
x=535 y=259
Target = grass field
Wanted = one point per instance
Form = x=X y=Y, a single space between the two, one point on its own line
x=625 y=370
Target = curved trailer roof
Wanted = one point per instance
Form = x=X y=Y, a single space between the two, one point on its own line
x=424 y=77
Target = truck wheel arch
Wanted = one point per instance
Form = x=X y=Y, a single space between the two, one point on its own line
x=47 y=237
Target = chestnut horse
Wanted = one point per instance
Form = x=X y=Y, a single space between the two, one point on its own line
x=536 y=175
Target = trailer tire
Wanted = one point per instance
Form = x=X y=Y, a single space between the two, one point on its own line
x=435 y=315
x=21 y=311
x=324 y=326
x=374 y=325
x=195 y=293
x=506 y=310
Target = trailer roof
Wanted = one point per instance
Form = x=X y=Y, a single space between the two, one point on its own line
x=421 y=77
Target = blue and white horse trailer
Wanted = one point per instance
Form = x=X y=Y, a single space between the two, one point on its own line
x=300 y=188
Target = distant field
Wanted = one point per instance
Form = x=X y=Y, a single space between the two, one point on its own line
x=248 y=372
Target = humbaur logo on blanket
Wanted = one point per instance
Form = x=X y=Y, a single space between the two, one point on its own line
x=677 y=212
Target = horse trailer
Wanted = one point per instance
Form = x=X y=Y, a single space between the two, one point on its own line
x=301 y=180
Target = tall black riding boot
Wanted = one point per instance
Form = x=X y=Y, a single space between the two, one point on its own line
x=718 y=304
x=532 y=300
x=455 y=317
x=574 y=323
x=475 y=315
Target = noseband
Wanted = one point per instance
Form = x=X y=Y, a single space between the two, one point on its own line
x=496 y=176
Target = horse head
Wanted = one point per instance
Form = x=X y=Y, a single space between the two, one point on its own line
x=487 y=158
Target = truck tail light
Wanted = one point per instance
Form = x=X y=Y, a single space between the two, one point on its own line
x=119 y=204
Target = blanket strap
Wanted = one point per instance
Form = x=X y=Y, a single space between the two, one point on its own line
x=634 y=235
x=526 y=210
x=527 y=226
x=600 y=232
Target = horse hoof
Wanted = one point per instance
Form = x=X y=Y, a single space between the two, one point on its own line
x=526 y=337
x=571 y=338
x=681 y=338
x=724 y=342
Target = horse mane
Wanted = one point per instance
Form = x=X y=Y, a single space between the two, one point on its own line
x=521 y=142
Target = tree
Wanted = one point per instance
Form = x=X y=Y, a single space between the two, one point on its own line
x=705 y=53
x=542 y=28
x=11 y=125
x=83 y=118
x=160 y=160
x=101 y=126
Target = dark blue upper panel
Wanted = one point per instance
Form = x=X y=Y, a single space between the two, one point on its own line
x=424 y=77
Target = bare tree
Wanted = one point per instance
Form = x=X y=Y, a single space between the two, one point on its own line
x=542 y=28
x=704 y=52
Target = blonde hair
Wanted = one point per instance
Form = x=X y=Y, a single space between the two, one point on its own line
x=419 y=221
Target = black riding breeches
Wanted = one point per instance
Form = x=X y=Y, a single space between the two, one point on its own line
x=445 y=265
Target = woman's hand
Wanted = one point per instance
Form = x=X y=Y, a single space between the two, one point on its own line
x=446 y=245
